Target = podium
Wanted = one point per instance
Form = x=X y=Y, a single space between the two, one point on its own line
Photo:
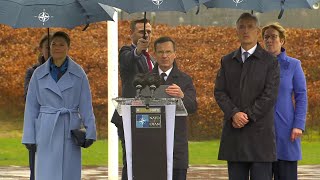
x=148 y=125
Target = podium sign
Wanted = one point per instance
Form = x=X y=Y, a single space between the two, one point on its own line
x=149 y=153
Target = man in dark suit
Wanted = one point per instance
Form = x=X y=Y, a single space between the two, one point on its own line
x=246 y=90
x=180 y=86
x=133 y=59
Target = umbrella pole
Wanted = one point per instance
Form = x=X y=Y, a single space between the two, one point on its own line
x=144 y=25
x=48 y=29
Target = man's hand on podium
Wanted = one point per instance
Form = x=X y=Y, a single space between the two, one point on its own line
x=175 y=91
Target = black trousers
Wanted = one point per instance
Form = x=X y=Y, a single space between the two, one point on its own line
x=285 y=170
x=179 y=174
x=254 y=170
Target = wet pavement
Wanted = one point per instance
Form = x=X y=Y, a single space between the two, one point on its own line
x=214 y=172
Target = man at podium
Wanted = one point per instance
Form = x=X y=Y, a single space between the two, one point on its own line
x=180 y=86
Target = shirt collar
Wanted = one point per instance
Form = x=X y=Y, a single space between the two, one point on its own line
x=167 y=72
x=250 y=51
x=62 y=68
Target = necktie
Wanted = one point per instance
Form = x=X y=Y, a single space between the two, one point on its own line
x=163 y=75
x=148 y=60
x=246 y=55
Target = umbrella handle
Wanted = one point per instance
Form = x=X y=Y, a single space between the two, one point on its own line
x=48 y=31
x=85 y=28
x=198 y=9
x=282 y=9
x=198 y=6
x=144 y=25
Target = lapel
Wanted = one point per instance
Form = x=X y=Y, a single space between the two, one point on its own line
x=248 y=63
x=44 y=78
x=153 y=60
x=64 y=83
x=237 y=55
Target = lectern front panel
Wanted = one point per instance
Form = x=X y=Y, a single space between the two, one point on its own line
x=149 y=152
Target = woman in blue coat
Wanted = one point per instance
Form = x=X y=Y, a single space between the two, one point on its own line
x=58 y=101
x=291 y=106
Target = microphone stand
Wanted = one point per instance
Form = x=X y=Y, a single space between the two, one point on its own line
x=138 y=90
x=152 y=89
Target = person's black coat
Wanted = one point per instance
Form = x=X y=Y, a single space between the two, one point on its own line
x=184 y=81
x=29 y=73
x=250 y=87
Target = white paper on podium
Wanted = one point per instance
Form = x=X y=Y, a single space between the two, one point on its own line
x=170 y=122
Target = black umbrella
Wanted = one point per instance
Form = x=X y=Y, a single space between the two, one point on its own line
x=132 y=6
x=260 y=5
x=52 y=13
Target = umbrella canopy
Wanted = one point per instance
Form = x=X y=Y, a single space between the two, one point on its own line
x=132 y=6
x=52 y=13
x=260 y=5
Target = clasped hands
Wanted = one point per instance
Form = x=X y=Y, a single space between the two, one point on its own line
x=239 y=120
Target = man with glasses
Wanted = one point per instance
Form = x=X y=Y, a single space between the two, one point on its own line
x=133 y=59
x=180 y=86
x=246 y=90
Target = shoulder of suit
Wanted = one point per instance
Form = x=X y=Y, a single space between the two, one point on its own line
x=230 y=55
x=75 y=68
x=126 y=48
x=292 y=60
x=40 y=69
x=180 y=73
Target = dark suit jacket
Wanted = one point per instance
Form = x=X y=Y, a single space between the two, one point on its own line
x=184 y=81
x=130 y=65
x=249 y=87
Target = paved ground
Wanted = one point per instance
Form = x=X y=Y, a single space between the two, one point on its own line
x=215 y=172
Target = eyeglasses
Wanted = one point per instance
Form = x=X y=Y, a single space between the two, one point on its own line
x=165 y=52
x=273 y=37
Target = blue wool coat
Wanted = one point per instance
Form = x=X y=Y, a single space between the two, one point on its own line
x=52 y=110
x=290 y=114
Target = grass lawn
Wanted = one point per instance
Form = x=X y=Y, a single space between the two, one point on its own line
x=12 y=152
x=201 y=153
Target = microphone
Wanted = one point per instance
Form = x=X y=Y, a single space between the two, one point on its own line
x=153 y=81
x=139 y=82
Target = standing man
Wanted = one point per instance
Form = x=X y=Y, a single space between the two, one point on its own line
x=246 y=90
x=133 y=59
x=181 y=86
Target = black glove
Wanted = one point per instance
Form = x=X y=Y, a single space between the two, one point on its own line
x=88 y=143
x=31 y=147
